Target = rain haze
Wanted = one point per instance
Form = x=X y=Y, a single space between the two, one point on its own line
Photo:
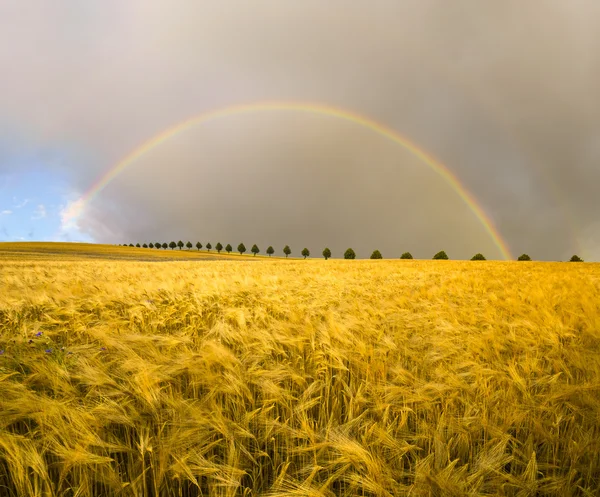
x=503 y=94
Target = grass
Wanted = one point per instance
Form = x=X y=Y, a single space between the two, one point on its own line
x=312 y=378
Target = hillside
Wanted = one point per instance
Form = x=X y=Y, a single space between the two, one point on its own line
x=62 y=250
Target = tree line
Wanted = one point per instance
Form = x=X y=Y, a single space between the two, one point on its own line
x=348 y=254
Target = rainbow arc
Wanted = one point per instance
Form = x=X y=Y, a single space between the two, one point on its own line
x=305 y=107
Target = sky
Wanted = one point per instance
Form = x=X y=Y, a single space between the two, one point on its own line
x=503 y=94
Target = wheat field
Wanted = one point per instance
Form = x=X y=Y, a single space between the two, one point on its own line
x=307 y=378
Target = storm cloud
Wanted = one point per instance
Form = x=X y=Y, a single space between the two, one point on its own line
x=503 y=93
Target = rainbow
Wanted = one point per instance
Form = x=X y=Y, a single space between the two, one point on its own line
x=76 y=208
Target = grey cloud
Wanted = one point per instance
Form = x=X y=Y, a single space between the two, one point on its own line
x=504 y=93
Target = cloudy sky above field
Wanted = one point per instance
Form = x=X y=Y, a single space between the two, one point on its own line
x=505 y=94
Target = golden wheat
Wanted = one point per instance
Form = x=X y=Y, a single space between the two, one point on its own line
x=312 y=378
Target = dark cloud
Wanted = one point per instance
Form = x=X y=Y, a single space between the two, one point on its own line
x=503 y=93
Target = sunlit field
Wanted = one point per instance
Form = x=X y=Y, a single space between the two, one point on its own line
x=70 y=251
x=253 y=377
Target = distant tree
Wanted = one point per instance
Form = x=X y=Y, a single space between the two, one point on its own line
x=305 y=252
x=228 y=248
x=151 y=245
x=131 y=244
x=287 y=250
x=326 y=253
x=180 y=244
x=255 y=250
x=349 y=254
x=478 y=257
x=376 y=255
x=172 y=245
x=157 y=245
x=524 y=257
x=145 y=245
x=137 y=245
x=198 y=245
x=440 y=256
x=219 y=247
x=575 y=258
x=406 y=255
x=270 y=251
x=208 y=246
x=165 y=246
x=189 y=245
x=241 y=248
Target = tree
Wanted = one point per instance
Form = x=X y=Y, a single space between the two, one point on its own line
x=228 y=248
x=575 y=258
x=157 y=245
x=137 y=245
x=270 y=251
x=180 y=244
x=406 y=255
x=151 y=245
x=478 y=257
x=219 y=247
x=189 y=245
x=241 y=248
x=198 y=245
x=305 y=252
x=440 y=256
x=287 y=250
x=524 y=257
x=145 y=245
x=326 y=253
x=208 y=246
x=349 y=254
x=376 y=255
x=131 y=244
x=172 y=245
x=164 y=245
x=255 y=250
